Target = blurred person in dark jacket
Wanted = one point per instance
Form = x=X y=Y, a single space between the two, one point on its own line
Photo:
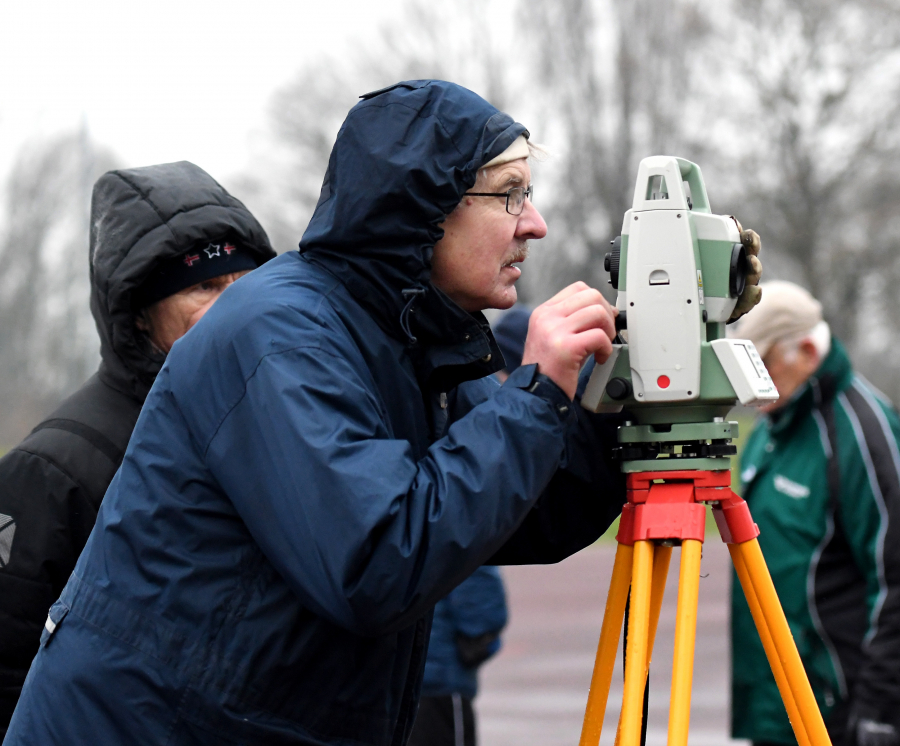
x=329 y=456
x=165 y=242
x=465 y=633
x=821 y=473
x=467 y=623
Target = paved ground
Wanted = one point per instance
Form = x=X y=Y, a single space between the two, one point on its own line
x=534 y=692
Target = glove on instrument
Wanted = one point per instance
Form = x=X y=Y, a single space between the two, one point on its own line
x=752 y=293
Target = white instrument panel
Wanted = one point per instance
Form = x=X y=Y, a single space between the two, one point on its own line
x=746 y=372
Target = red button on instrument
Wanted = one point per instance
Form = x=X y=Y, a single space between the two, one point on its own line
x=663 y=382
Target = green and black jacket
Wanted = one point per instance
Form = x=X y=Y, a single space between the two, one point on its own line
x=822 y=477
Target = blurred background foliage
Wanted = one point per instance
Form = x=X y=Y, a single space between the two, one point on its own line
x=789 y=106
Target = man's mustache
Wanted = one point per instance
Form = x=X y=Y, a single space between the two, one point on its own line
x=520 y=255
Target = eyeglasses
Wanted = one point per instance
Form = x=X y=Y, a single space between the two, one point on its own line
x=515 y=198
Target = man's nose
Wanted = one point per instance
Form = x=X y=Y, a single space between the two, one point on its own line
x=531 y=224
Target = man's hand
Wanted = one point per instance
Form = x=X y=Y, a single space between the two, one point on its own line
x=752 y=293
x=574 y=323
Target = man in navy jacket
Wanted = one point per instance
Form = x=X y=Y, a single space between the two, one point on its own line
x=465 y=631
x=325 y=455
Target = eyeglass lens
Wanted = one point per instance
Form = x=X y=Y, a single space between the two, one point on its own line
x=515 y=199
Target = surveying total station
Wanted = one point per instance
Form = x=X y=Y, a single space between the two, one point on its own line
x=679 y=270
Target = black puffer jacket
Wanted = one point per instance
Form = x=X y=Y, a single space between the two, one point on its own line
x=52 y=483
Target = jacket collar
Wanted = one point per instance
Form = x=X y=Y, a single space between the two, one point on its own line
x=446 y=344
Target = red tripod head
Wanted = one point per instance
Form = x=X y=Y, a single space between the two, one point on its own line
x=671 y=505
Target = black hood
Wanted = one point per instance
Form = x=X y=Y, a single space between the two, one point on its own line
x=400 y=164
x=139 y=217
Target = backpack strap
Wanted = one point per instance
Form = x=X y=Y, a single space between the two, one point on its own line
x=92 y=436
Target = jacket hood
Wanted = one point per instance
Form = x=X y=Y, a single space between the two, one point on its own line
x=139 y=217
x=402 y=160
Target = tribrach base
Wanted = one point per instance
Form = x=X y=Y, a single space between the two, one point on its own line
x=666 y=508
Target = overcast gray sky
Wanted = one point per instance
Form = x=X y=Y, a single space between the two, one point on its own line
x=166 y=80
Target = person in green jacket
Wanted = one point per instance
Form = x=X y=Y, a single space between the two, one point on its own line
x=821 y=473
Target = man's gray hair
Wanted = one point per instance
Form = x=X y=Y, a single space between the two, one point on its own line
x=535 y=152
x=819 y=335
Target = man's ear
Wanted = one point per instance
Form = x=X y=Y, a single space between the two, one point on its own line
x=142 y=320
x=810 y=353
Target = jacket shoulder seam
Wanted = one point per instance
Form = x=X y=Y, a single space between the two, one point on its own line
x=250 y=377
x=316 y=312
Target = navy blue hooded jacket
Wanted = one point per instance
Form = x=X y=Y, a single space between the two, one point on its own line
x=321 y=458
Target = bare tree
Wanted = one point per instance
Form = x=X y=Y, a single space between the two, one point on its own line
x=48 y=344
x=788 y=105
x=599 y=95
x=812 y=92
x=458 y=42
x=614 y=77
x=791 y=108
x=283 y=184
x=803 y=123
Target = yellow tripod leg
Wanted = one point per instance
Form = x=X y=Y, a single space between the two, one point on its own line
x=636 y=652
x=662 y=554
x=777 y=625
x=605 y=661
x=769 y=645
x=685 y=635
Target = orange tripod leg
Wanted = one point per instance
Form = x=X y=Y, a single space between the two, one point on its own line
x=777 y=625
x=636 y=650
x=605 y=661
x=769 y=646
x=685 y=633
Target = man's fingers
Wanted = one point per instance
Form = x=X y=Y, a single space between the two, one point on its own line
x=576 y=322
x=583 y=298
x=575 y=287
x=592 y=317
x=594 y=342
x=751 y=241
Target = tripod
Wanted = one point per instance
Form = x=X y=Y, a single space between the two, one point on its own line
x=665 y=508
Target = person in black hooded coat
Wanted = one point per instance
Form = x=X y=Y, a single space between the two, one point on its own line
x=52 y=483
